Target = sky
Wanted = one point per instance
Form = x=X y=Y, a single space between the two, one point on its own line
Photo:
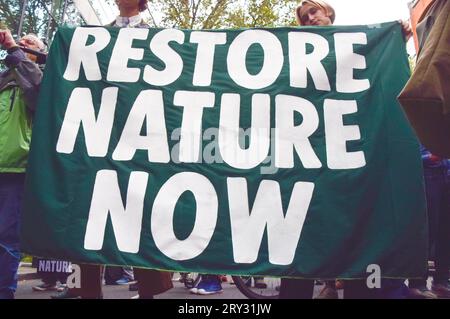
x=351 y=12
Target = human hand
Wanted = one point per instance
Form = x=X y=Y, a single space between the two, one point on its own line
x=406 y=29
x=6 y=39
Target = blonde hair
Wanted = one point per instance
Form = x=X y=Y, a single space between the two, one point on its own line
x=329 y=11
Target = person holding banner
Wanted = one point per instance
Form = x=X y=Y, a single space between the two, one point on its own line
x=310 y=13
x=19 y=86
x=320 y=13
x=150 y=282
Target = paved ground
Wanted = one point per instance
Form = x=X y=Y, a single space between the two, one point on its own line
x=24 y=291
x=29 y=279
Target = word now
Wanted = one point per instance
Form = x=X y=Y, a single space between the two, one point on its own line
x=247 y=226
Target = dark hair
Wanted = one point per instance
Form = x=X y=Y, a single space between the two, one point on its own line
x=143 y=5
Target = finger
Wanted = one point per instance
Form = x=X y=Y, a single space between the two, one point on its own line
x=8 y=34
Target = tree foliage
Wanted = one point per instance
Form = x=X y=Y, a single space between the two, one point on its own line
x=218 y=14
x=41 y=16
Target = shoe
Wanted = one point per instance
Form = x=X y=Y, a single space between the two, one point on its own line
x=260 y=284
x=441 y=290
x=208 y=285
x=193 y=290
x=124 y=281
x=135 y=297
x=45 y=287
x=328 y=293
x=65 y=294
x=61 y=287
x=421 y=293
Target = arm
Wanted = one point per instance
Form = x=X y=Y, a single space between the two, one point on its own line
x=26 y=73
x=406 y=29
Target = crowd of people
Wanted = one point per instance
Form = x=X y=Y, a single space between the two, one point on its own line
x=19 y=87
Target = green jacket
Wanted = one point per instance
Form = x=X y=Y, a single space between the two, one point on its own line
x=19 y=87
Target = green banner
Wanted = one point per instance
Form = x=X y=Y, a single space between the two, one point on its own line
x=276 y=152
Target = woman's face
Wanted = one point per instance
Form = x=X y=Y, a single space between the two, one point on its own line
x=311 y=15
